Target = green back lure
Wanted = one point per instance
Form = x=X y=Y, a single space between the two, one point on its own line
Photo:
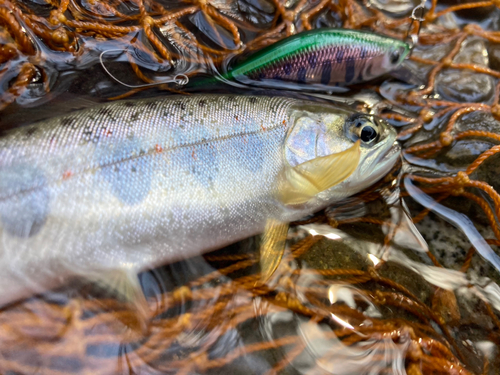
x=323 y=59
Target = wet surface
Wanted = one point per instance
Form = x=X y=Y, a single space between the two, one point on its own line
x=378 y=283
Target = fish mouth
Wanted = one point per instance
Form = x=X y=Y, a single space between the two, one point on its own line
x=389 y=157
x=381 y=164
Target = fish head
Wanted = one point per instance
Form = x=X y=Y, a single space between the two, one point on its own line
x=321 y=131
x=379 y=150
x=391 y=54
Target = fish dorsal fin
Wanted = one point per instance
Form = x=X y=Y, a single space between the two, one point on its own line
x=305 y=180
x=272 y=248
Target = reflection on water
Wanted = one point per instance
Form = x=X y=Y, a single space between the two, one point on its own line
x=400 y=279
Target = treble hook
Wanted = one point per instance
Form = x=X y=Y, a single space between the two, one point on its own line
x=180 y=79
x=417 y=16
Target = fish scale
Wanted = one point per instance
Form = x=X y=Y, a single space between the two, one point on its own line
x=135 y=184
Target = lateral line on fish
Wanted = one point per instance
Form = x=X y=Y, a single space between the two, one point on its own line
x=152 y=151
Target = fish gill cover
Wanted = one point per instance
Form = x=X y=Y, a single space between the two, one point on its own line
x=357 y=299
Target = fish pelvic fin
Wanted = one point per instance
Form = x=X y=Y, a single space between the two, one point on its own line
x=272 y=248
x=124 y=285
x=305 y=180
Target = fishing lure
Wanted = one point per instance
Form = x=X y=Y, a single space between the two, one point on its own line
x=321 y=59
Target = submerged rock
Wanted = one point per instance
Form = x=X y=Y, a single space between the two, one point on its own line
x=407 y=278
x=327 y=254
x=399 y=8
x=463 y=85
x=494 y=56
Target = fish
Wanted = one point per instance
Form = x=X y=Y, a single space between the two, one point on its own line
x=119 y=188
x=326 y=59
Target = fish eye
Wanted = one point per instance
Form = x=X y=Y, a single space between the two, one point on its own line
x=368 y=133
x=363 y=127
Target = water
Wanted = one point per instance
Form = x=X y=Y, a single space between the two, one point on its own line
x=375 y=284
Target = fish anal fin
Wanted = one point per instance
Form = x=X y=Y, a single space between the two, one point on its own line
x=272 y=248
x=305 y=180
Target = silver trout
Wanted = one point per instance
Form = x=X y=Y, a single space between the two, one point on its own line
x=127 y=186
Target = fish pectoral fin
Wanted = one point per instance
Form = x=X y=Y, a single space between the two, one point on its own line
x=124 y=285
x=272 y=248
x=306 y=180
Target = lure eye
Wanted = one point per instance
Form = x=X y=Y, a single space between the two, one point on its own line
x=396 y=55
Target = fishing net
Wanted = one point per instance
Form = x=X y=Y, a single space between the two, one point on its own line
x=329 y=308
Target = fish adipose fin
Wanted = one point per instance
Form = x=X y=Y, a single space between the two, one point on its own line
x=305 y=180
x=124 y=285
x=272 y=248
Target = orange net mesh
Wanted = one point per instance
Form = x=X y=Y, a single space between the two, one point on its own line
x=69 y=336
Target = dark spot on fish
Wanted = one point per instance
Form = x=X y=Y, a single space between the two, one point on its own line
x=350 y=69
x=326 y=72
x=135 y=116
x=151 y=105
x=262 y=75
x=202 y=103
x=313 y=60
x=301 y=75
x=128 y=104
x=68 y=121
x=31 y=131
x=287 y=68
x=277 y=77
x=104 y=111
x=181 y=105
x=252 y=100
x=340 y=55
x=26 y=210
